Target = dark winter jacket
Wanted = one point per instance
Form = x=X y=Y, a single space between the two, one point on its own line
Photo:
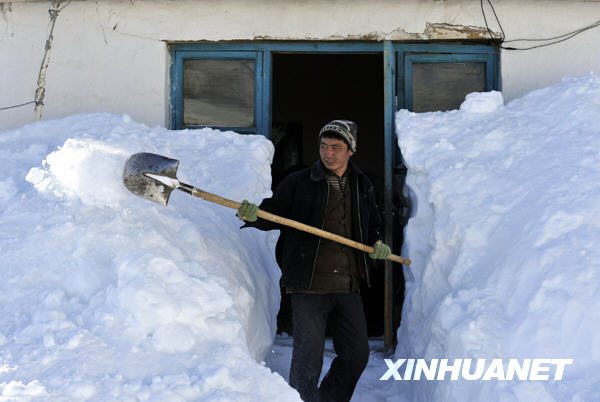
x=302 y=196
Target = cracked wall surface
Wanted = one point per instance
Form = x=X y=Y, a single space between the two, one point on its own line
x=113 y=55
x=432 y=31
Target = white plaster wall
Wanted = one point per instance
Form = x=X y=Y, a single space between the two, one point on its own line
x=112 y=55
x=523 y=71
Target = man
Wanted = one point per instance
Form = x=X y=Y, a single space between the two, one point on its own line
x=323 y=276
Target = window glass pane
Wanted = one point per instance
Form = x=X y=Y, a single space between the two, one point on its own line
x=443 y=86
x=218 y=93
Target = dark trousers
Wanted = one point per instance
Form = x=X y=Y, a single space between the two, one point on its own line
x=348 y=327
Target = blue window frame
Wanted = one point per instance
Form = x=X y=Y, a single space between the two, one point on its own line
x=399 y=59
x=399 y=62
x=262 y=53
x=181 y=56
x=407 y=55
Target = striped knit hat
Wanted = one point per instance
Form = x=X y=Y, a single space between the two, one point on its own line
x=345 y=128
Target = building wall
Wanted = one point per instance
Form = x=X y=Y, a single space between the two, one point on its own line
x=113 y=55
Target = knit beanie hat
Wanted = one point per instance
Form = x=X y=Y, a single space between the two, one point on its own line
x=345 y=128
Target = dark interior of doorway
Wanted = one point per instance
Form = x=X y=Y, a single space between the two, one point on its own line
x=308 y=90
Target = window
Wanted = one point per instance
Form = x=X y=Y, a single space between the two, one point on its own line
x=444 y=85
x=218 y=93
x=436 y=77
x=216 y=89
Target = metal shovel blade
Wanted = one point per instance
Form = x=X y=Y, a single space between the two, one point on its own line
x=136 y=179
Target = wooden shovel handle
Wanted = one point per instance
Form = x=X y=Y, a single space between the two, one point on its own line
x=205 y=195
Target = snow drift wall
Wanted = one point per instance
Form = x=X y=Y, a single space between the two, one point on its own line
x=106 y=296
x=504 y=239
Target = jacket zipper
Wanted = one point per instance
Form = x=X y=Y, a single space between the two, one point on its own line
x=312 y=274
x=361 y=235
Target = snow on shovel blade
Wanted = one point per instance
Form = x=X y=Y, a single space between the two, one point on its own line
x=138 y=172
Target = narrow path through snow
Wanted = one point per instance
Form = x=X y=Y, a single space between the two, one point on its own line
x=368 y=389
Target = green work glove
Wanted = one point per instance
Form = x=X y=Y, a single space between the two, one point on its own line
x=247 y=212
x=382 y=251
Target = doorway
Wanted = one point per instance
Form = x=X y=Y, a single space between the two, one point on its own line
x=309 y=90
x=290 y=89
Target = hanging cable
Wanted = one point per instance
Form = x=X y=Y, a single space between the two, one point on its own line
x=497 y=20
x=560 y=38
x=578 y=31
x=16 y=106
x=555 y=39
x=40 y=91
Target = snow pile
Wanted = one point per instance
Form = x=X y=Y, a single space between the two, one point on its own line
x=482 y=102
x=504 y=240
x=107 y=296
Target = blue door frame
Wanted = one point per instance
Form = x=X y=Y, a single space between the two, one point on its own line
x=262 y=52
x=397 y=70
x=398 y=60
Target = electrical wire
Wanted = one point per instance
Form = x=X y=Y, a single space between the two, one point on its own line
x=555 y=39
x=53 y=14
x=561 y=38
x=537 y=46
x=497 y=20
x=16 y=106
x=578 y=31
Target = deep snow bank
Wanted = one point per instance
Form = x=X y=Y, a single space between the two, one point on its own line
x=107 y=296
x=504 y=239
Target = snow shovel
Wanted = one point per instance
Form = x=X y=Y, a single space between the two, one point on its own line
x=153 y=177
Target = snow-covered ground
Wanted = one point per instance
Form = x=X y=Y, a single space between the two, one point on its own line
x=106 y=296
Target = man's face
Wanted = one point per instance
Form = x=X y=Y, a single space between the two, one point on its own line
x=335 y=155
